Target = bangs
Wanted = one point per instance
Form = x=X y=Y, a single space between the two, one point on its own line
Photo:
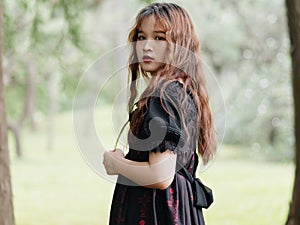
x=162 y=17
x=161 y=23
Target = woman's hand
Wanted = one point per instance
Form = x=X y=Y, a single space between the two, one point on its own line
x=110 y=161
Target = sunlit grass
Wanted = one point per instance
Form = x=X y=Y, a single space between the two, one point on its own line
x=55 y=187
x=248 y=192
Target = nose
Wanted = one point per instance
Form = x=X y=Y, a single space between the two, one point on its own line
x=148 y=46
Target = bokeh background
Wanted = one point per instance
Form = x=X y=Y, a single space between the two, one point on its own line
x=49 y=45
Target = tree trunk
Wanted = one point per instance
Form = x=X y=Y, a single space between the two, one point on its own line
x=16 y=130
x=293 y=15
x=29 y=105
x=6 y=205
x=30 y=99
x=53 y=95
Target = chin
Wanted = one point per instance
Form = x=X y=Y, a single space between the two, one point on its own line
x=150 y=68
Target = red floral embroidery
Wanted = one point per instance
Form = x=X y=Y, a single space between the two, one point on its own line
x=143 y=201
x=171 y=191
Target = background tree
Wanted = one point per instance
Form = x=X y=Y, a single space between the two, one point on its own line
x=6 y=205
x=293 y=15
x=41 y=39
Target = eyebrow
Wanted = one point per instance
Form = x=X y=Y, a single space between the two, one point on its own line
x=156 y=31
x=159 y=31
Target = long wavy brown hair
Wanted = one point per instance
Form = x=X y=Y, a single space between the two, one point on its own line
x=184 y=64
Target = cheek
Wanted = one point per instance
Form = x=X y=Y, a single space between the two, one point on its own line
x=139 y=49
x=162 y=51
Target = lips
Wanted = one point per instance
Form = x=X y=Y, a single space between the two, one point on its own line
x=147 y=58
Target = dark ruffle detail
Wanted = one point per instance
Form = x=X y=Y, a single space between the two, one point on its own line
x=173 y=140
x=166 y=145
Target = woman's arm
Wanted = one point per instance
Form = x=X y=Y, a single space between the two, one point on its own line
x=157 y=173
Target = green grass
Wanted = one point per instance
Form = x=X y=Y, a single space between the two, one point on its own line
x=248 y=192
x=56 y=187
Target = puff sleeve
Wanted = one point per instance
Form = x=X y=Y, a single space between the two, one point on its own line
x=162 y=127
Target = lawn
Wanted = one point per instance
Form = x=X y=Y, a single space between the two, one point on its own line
x=57 y=187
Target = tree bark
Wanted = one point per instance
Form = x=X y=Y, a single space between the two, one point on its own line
x=6 y=205
x=293 y=16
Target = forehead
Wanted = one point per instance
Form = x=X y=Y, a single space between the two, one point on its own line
x=150 y=23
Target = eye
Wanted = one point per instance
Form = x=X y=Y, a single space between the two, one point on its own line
x=141 y=37
x=160 y=38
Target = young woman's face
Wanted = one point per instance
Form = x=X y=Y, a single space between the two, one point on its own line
x=151 y=45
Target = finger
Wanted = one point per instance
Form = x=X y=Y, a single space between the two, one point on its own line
x=119 y=150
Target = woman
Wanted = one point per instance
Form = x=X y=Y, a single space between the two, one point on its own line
x=171 y=121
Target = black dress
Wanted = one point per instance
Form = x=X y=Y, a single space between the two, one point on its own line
x=137 y=205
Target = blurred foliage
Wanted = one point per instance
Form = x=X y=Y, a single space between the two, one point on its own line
x=247 y=45
x=245 y=42
x=43 y=35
